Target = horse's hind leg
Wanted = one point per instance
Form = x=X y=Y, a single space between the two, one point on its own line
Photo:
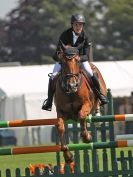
x=68 y=156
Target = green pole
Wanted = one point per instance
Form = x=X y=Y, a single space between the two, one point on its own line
x=106 y=118
x=5 y=151
x=94 y=145
x=81 y=146
x=3 y=124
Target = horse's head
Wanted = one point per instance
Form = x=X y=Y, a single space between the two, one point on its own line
x=69 y=59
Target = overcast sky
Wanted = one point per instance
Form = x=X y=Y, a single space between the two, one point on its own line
x=6 y=6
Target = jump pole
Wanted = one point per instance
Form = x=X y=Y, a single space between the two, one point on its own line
x=111 y=118
x=72 y=147
x=26 y=123
x=39 y=122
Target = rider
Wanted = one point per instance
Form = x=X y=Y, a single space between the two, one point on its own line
x=74 y=36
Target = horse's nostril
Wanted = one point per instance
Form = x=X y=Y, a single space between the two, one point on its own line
x=76 y=84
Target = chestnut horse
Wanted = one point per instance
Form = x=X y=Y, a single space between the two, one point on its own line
x=74 y=96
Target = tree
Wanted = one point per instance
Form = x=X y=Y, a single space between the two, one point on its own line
x=34 y=27
x=110 y=25
x=120 y=28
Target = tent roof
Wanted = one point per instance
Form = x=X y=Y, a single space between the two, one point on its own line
x=24 y=79
x=118 y=76
x=34 y=79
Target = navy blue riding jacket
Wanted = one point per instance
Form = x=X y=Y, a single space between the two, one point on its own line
x=67 y=38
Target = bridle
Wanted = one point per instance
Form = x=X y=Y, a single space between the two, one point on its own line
x=70 y=53
x=66 y=77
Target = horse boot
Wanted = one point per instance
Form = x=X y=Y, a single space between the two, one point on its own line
x=47 y=104
x=98 y=92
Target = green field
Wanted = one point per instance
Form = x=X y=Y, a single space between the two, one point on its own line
x=22 y=161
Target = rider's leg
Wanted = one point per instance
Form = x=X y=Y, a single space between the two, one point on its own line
x=47 y=105
x=86 y=66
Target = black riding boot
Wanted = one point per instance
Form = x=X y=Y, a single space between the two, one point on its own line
x=47 y=104
x=96 y=84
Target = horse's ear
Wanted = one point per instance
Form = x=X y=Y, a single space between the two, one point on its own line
x=63 y=47
x=80 y=46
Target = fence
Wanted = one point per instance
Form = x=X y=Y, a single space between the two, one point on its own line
x=118 y=165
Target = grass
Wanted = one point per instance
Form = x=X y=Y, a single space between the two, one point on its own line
x=23 y=161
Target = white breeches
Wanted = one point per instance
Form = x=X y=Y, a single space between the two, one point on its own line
x=56 y=70
x=85 y=65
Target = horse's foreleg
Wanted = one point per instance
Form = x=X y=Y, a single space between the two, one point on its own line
x=68 y=156
x=86 y=136
x=84 y=111
x=61 y=131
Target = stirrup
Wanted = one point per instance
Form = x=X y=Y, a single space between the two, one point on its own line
x=45 y=106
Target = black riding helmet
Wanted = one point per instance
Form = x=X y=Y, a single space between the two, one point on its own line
x=77 y=18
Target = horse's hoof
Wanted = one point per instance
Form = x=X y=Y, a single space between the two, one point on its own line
x=64 y=148
x=68 y=156
x=86 y=137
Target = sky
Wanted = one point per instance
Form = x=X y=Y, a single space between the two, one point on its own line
x=6 y=6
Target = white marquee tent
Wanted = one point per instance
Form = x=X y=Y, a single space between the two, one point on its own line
x=23 y=88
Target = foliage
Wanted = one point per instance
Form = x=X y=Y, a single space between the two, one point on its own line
x=31 y=31
x=111 y=28
x=120 y=18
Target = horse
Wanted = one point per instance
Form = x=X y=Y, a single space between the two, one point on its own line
x=74 y=96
